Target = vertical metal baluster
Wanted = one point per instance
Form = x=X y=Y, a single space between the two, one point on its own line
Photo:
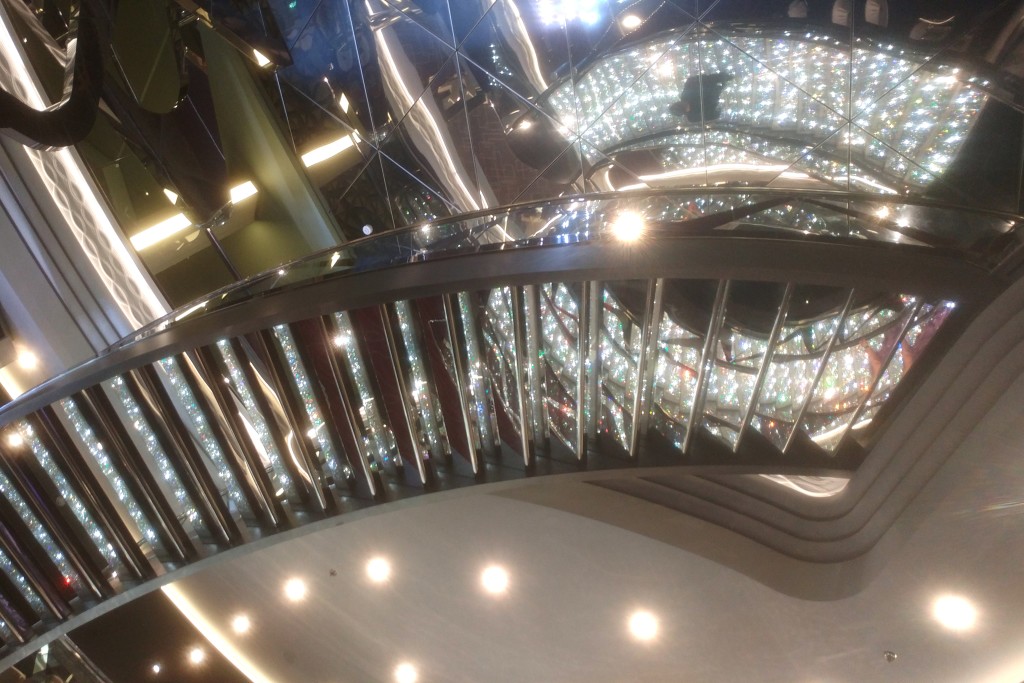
x=259 y=388
x=225 y=437
x=344 y=392
x=15 y=612
x=595 y=314
x=115 y=520
x=487 y=422
x=97 y=412
x=647 y=372
x=821 y=370
x=425 y=402
x=885 y=365
x=408 y=411
x=169 y=427
x=295 y=416
x=16 y=547
x=582 y=352
x=534 y=368
x=87 y=564
x=460 y=380
x=251 y=466
x=521 y=360
x=707 y=363
x=644 y=375
x=766 y=361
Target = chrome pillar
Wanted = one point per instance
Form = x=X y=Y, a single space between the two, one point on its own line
x=766 y=361
x=582 y=351
x=885 y=365
x=521 y=365
x=707 y=362
x=821 y=369
x=647 y=363
x=460 y=381
x=408 y=410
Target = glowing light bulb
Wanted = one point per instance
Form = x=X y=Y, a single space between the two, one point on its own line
x=156 y=668
x=241 y=624
x=28 y=360
x=643 y=625
x=495 y=580
x=15 y=440
x=406 y=673
x=196 y=656
x=630 y=22
x=955 y=612
x=378 y=570
x=628 y=226
x=295 y=590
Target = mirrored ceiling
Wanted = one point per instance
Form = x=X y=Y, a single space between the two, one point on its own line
x=265 y=131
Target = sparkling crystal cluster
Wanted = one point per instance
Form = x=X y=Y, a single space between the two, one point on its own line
x=98 y=452
x=909 y=118
x=378 y=439
x=253 y=415
x=39 y=532
x=201 y=430
x=318 y=431
x=68 y=494
x=24 y=587
x=156 y=453
x=427 y=406
x=479 y=387
x=501 y=350
x=853 y=367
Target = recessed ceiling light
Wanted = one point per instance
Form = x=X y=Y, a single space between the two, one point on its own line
x=155 y=668
x=28 y=360
x=643 y=625
x=628 y=226
x=955 y=612
x=196 y=655
x=378 y=569
x=241 y=624
x=15 y=440
x=406 y=673
x=495 y=580
x=295 y=589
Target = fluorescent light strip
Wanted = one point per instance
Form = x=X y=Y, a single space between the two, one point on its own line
x=243 y=191
x=261 y=59
x=171 y=195
x=325 y=152
x=160 y=231
x=213 y=636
